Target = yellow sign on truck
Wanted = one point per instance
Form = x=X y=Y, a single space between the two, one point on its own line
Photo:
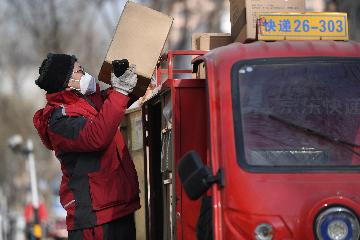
x=302 y=26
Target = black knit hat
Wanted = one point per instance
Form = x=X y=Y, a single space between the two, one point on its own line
x=55 y=72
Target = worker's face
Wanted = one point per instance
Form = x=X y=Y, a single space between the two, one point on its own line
x=77 y=73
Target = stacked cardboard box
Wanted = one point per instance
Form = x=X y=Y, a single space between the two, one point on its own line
x=208 y=41
x=243 y=14
x=139 y=37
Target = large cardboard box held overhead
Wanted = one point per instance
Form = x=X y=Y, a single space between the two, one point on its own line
x=243 y=14
x=140 y=37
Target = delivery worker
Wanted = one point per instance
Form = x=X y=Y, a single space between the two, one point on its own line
x=99 y=187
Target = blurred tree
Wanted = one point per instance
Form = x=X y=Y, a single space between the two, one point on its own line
x=190 y=16
x=16 y=118
x=53 y=26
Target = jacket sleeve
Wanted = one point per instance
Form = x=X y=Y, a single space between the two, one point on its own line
x=79 y=134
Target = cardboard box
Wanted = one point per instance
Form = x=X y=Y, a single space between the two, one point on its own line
x=140 y=37
x=208 y=41
x=243 y=14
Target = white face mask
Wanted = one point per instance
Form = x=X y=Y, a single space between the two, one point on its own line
x=87 y=84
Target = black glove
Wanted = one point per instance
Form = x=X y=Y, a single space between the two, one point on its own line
x=119 y=67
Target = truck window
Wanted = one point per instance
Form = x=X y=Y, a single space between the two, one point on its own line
x=297 y=113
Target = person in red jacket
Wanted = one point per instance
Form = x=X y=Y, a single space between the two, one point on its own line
x=99 y=187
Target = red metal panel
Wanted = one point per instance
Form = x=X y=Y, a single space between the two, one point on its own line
x=193 y=137
x=176 y=131
x=214 y=147
x=190 y=133
x=170 y=65
x=238 y=51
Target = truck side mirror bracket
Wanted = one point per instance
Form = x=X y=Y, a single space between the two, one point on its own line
x=195 y=177
x=218 y=179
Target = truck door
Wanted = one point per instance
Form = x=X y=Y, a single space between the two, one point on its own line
x=174 y=123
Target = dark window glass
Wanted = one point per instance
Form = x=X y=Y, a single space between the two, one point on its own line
x=298 y=113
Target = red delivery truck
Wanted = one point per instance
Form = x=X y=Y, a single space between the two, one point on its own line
x=266 y=146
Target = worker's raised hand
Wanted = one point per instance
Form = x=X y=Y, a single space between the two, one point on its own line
x=125 y=83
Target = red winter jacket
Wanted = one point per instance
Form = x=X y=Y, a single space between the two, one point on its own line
x=99 y=182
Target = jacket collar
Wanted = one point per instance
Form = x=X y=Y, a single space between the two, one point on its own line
x=66 y=97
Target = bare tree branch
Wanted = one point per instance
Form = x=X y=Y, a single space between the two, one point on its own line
x=214 y=18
